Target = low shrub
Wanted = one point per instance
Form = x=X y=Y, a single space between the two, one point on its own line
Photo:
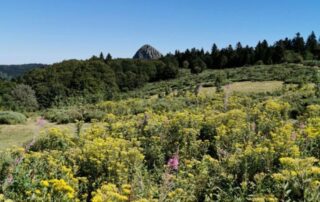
x=63 y=116
x=72 y=114
x=93 y=114
x=9 y=117
x=53 y=139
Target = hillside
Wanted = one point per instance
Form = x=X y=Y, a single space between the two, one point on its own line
x=18 y=70
x=181 y=145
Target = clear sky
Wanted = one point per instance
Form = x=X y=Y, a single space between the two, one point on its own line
x=48 y=31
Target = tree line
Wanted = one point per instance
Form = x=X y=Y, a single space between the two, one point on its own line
x=293 y=50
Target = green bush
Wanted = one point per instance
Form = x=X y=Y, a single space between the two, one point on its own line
x=63 y=116
x=72 y=114
x=9 y=117
x=93 y=114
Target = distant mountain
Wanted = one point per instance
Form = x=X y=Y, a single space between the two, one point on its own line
x=18 y=70
x=147 y=52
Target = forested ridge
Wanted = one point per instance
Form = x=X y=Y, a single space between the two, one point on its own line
x=11 y=71
x=102 y=77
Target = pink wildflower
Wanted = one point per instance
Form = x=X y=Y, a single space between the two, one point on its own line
x=41 y=122
x=173 y=162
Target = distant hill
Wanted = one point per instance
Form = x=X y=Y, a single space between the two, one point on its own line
x=4 y=76
x=18 y=70
x=147 y=52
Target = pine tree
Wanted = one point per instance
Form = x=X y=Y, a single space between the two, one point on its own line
x=261 y=52
x=108 y=58
x=215 y=56
x=298 y=43
x=279 y=52
x=101 y=57
x=312 y=43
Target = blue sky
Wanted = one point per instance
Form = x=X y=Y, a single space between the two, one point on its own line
x=48 y=31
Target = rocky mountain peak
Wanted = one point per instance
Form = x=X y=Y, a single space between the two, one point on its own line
x=147 y=52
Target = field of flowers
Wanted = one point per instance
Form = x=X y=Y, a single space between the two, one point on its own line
x=213 y=147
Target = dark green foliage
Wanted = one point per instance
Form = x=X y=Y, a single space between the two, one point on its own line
x=64 y=115
x=197 y=66
x=23 y=98
x=167 y=69
x=69 y=79
x=5 y=90
x=9 y=117
x=298 y=43
x=317 y=84
x=108 y=58
x=219 y=81
x=286 y=50
x=312 y=43
x=72 y=114
x=95 y=79
x=208 y=133
x=292 y=57
x=101 y=56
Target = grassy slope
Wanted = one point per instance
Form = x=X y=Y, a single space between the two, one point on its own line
x=248 y=87
x=16 y=135
x=289 y=73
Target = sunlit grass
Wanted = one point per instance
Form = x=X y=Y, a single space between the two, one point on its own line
x=247 y=87
x=17 y=135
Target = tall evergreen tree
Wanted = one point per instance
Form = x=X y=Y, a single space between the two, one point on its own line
x=261 y=52
x=279 y=52
x=298 y=43
x=312 y=43
x=101 y=57
x=108 y=58
x=215 y=56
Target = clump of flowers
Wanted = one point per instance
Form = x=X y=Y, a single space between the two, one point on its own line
x=173 y=162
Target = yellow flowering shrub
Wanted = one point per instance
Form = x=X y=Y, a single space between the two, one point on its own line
x=53 y=139
x=263 y=198
x=312 y=111
x=312 y=129
x=177 y=147
x=32 y=169
x=300 y=175
x=113 y=159
x=110 y=193
x=57 y=189
x=270 y=114
x=230 y=127
x=283 y=141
